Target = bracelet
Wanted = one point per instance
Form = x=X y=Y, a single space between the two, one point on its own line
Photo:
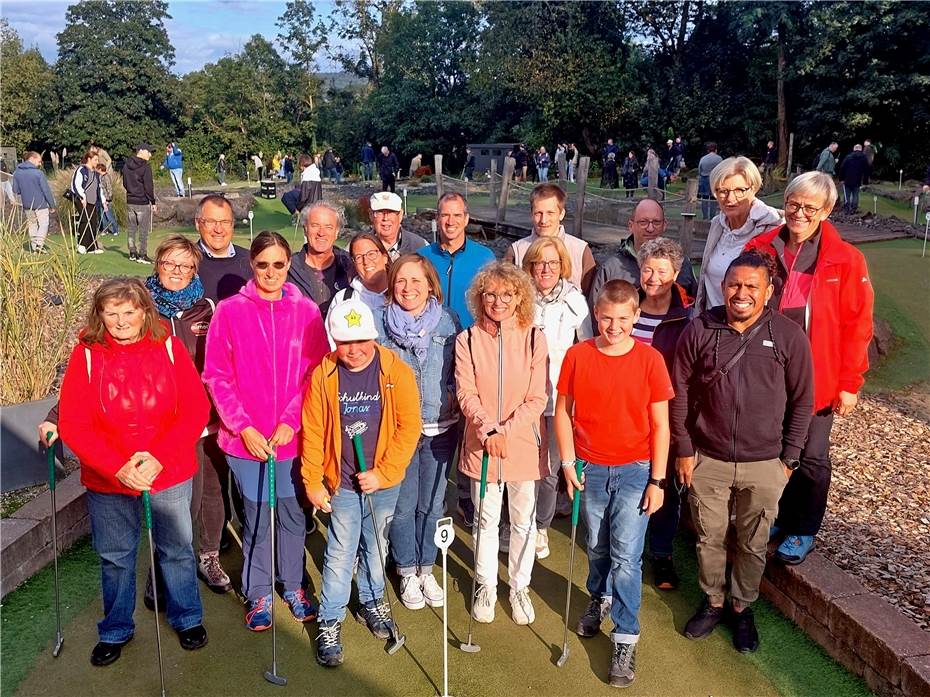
x=568 y=464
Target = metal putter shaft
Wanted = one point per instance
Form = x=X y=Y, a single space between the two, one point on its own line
x=272 y=675
x=468 y=646
x=397 y=639
x=576 y=507
x=147 y=506
x=50 y=455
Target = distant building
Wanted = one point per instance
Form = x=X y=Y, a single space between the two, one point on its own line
x=486 y=152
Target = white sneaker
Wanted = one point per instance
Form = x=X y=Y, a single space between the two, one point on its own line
x=81 y=249
x=505 y=539
x=542 y=544
x=432 y=591
x=522 y=607
x=98 y=251
x=485 y=600
x=411 y=594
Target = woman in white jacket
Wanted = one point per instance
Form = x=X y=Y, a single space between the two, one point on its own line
x=562 y=315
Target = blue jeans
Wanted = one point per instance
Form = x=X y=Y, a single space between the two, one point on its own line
x=616 y=532
x=115 y=523
x=352 y=535
x=850 y=198
x=543 y=174
x=108 y=224
x=177 y=178
x=706 y=197
x=368 y=168
x=419 y=503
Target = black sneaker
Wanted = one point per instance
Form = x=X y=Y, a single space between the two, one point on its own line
x=375 y=615
x=745 y=636
x=704 y=620
x=622 y=665
x=589 y=624
x=329 y=644
x=193 y=638
x=664 y=574
x=105 y=653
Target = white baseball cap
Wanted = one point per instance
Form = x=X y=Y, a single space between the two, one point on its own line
x=386 y=201
x=351 y=320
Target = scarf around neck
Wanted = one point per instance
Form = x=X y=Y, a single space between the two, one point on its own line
x=413 y=333
x=171 y=302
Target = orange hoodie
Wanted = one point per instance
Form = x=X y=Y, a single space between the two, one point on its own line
x=398 y=434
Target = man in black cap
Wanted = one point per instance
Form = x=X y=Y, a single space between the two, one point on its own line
x=140 y=200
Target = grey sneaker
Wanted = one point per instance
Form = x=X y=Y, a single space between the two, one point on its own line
x=375 y=615
x=210 y=571
x=589 y=624
x=622 y=665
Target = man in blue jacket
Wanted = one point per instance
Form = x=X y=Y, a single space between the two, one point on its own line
x=174 y=163
x=368 y=160
x=30 y=184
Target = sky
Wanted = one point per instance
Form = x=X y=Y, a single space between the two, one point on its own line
x=202 y=31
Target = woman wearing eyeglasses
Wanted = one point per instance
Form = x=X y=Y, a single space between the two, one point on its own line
x=371 y=262
x=501 y=377
x=734 y=183
x=561 y=312
x=261 y=347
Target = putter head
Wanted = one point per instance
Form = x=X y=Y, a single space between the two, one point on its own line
x=59 y=641
x=275 y=679
x=562 y=658
x=396 y=643
x=470 y=647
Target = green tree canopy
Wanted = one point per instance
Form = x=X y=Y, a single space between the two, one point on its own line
x=26 y=94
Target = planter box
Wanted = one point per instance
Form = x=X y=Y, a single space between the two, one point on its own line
x=23 y=463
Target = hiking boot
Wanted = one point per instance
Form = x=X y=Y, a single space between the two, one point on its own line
x=622 y=665
x=376 y=616
x=504 y=547
x=210 y=571
x=795 y=548
x=258 y=616
x=485 y=600
x=664 y=574
x=589 y=624
x=432 y=591
x=521 y=607
x=704 y=620
x=745 y=635
x=542 y=544
x=411 y=593
x=329 y=644
x=301 y=607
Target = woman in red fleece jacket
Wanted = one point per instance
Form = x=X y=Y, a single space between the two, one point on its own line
x=132 y=408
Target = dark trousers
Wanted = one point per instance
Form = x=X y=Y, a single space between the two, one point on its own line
x=663 y=524
x=804 y=501
x=208 y=505
x=387 y=183
x=88 y=224
x=851 y=198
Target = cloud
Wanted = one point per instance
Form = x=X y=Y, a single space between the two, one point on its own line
x=37 y=23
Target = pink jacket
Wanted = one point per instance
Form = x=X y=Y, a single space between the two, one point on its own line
x=515 y=365
x=259 y=358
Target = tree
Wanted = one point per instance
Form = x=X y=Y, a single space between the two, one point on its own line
x=112 y=75
x=26 y=97
x=358 y=23
x=302 y=40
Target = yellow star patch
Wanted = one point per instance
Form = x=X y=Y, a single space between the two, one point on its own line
x=354 y=319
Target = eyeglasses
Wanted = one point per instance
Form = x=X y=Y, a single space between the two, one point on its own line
x=646 y=224
x=505 y=298
x=263 y=265
x=210 y=222
x=557 y=264
x=171 y=266
x=371 y=255
x=793 y=207
x=739 y=194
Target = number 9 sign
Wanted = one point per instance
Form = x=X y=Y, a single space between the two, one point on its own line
x=445 y=533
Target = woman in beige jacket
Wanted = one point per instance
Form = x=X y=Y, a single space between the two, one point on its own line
x=500 y=371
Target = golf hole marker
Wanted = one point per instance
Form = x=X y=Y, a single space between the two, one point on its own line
x=445 y=533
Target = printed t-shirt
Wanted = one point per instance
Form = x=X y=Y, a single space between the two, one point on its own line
x=612 y=395
x=359 y=412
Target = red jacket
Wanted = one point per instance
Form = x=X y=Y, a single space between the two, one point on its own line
x=840 y=310
x=135 y=398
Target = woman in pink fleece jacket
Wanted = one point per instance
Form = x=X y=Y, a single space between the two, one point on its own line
x=261 y=348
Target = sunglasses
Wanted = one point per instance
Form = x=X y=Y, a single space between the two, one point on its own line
x=263 y=265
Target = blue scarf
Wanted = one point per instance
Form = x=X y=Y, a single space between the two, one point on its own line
x=171 y=302
x=409 y=332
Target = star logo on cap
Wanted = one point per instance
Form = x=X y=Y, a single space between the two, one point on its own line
x=354 y=319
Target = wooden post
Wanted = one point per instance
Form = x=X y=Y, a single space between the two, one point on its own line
x=581 y=182
x=563 y=171
x=790 y=155
x=506 y=178
x=494 y=186
x=437 y=162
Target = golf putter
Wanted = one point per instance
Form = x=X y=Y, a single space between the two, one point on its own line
x=50 y=454
x=147 y=506
x=272 y=675
x=576 y=508
x=355 y=432
x=468 y=646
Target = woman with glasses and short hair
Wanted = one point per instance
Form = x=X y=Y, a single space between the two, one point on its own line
x=734 y=183
x=500 y=371
x=261 y=347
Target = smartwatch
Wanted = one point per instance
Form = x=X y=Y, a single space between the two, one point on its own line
x=792 y=464
x=658 y=482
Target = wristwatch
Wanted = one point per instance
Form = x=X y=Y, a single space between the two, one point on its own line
x=658 y=482
x=792 y=463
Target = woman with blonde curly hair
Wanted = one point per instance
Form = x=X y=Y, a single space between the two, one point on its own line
x=500 y=372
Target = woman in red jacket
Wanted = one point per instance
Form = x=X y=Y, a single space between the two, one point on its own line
x=132 y=408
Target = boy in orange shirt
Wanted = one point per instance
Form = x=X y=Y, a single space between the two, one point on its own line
x=612 y=413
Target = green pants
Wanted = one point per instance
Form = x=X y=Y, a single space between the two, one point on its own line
x=755 y=488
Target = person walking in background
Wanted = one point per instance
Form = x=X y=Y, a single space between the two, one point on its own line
x=571 y=157
x=31 y=185
x=259 y=166
x=870 y=150
x=469 y=172
x=826 y=163
x=854 y=172
x=610 y=176
x=140 y=202
x=629 y=171
x=388 y=169
x=221 y=170
x=769 y=160
x=705 y=166
x=85 y=192
x=108 y=224
x=542 y=164
x=415 y=163
x=174 y=163
x=287 y=167
x=367 y=156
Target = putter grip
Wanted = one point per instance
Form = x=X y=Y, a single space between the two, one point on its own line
x=576 y=495
x=147 y=507
x=484 y=473
x=272 y=494
x=359 y=455
x=50 y=456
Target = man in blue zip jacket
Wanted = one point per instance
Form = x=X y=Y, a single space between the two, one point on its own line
x=30 y=184
x=174 y=163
